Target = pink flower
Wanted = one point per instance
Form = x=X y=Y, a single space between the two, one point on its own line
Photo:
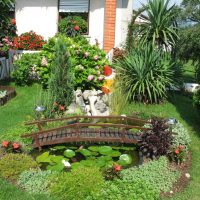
x=86 y=54
x=100 y=78
x=90 y=77
x=177 y=151
x=5 y=144
x=117 y=168
x=15 y=145
x=97 y=67
x=96 y=57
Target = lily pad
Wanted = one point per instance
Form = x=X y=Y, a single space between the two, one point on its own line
x=43 y=158
x=57 y=159
x=58 y=148
x=85 y=152
x=76 y=165
x=114 y=153
x=69 y=153
x=125 y=159
x=88 y=163
x=57 y=167
x=94 y=148
x=105 y=150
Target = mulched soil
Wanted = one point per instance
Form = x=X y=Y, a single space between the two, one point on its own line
x=183 y=181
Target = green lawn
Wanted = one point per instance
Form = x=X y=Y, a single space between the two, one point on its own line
x=179 y=106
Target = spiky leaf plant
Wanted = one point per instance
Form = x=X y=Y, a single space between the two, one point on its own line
x=147 y=73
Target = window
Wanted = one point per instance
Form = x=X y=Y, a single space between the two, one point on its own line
x=75 y=8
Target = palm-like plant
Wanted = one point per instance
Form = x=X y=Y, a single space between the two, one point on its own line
x=160 y=26
x=147 y=72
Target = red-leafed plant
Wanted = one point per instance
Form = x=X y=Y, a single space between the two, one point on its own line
x=29 y=41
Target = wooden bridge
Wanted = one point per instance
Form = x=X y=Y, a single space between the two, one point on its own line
x=122 y=131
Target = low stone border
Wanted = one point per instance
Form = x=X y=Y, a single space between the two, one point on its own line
x=11 y=93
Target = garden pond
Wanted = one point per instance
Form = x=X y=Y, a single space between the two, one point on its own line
x=63 y=157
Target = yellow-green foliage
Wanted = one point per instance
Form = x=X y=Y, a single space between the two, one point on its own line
x=12 y=165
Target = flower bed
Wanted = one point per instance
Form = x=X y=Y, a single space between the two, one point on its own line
x=10 y=93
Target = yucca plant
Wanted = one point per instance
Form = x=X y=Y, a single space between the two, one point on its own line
x=160 y=27
x=147 y=73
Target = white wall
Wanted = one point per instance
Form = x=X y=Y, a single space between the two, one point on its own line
x=40 y=16
x=123 y=17
x=96 y=21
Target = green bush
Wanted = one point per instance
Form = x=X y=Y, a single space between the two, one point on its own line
x=147 y=73
x=180 y=136
x=68 y=25
x=156 y=173
x=129 y=190
x=25 y=71
x=12 y=165
x=61 y=82
x=35 y=181
x=80 y=183
x=196 y=98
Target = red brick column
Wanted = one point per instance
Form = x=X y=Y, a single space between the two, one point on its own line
x=109 y=24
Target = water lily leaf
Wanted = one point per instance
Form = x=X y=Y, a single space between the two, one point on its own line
x=69 y=153
x=105 y=158
x=93 y=148
x=58 y=148
x=114 y=153
x=43 y=158
x=105 y=150
x=95 y=153
x=73 y=148
x=57 y=159
x=57 y=167
x=85 y=152
x=125 y=159
x=101 y=163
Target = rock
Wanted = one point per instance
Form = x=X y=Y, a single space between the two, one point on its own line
x=72 y=108
x=79 y=99
x=187 y=175
x=86 y=94
x=191 y=87
x=92 y=100
x=101 y=106
x=105 y=99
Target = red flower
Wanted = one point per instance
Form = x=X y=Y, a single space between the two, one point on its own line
x=13 y=21
x=177 y=151
x=107 y=71
x=15 y=145
x=181 y=147
x=5 y=144
x=76 y=28
x=62 y=108
x=117 y=168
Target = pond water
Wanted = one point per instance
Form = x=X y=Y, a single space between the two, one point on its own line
x=57 y=157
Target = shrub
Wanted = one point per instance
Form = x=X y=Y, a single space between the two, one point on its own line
x=196 y=98
x=180 y=136
x=29 y=41
x=155 y=142
x=80 y=183
x=61 y=83
x=72 y=26
x=147 y=73
x=35 y=181
x=12 y=165
x=156 y=173
x=129 y=190
x=25 y=71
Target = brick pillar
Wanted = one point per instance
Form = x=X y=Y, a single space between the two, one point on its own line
x=109 y=24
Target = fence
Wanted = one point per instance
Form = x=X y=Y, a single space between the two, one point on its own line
x=6 y=65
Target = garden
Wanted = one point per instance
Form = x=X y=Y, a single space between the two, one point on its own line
x=67 y=78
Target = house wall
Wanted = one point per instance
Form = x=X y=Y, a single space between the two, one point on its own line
x=96 y=21
x=40 y=16
x=123 y=17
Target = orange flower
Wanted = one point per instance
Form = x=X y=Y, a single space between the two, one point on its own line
x=177 y=151
x=15 y=145
x=105 y=90
x=5 y=144
x=117 y=168
x=62 y=108
x=13 y=21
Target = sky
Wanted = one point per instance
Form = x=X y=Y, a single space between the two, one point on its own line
x=137 y=3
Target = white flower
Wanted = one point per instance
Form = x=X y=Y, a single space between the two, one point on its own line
x=66 y=163
x=90 y=77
